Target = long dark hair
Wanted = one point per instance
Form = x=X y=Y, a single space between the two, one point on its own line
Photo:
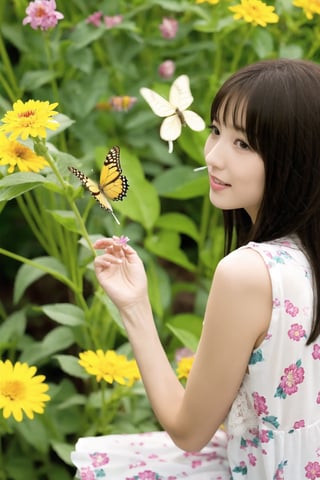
x=279 y=101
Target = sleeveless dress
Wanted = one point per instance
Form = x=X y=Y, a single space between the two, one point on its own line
x=273 y=427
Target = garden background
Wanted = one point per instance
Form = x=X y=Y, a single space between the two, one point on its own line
x=92 y=59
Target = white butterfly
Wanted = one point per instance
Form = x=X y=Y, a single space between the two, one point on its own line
x=175 y=110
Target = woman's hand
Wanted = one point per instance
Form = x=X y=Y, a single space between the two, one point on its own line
x=120 y=272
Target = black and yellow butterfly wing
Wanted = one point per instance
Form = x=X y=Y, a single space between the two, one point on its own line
x=113 y=185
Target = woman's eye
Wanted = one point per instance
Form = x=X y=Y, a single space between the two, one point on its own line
x=214 y=129
x=242 y=145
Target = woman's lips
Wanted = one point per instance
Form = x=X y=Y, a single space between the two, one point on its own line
x=217 y=184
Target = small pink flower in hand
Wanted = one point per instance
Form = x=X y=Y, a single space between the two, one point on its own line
x=122 y=240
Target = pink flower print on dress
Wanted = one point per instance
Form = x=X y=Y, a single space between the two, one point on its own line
x=318 y=398
x=252 y=459
x=259 y=404
x=86 y=474
x=316 y=351
x=296 y=332
x=293 y=376
x=290 y=308
x=312 y=470
x=99 y=459
x=276 y=302
x=298 y=424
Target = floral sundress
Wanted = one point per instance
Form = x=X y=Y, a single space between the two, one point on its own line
x=273 y=427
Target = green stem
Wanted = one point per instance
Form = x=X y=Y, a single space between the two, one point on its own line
x=15 y=90
x=41 y=149
x=39 y=266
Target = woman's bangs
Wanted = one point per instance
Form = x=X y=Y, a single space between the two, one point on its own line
x=230 y=108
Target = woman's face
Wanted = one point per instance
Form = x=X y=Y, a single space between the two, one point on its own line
x=236 y=172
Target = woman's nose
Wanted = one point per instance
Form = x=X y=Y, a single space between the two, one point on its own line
x=214 y=153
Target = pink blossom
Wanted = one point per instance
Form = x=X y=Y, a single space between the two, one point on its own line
x=42 y=14
x=316 y=351
x=86 y=473
x=318 y=398
x=99 y=459
x=252 y=459
x=264 y=436
x=312 y=470
x=296 y=332
x=290 y=308
x=112 y=21
x=259 y=404
x=168 y=27
x=95 y=18
x=298 y=424
x=166 y=69
x=122 y=240
x=293 y=375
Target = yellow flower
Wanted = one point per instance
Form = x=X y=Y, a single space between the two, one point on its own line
x=184 y=367
x=14 y=154
x=309 y=7
x=109 y=366
x=255 y=12
x=29 y=119
x=21 y=391
x=213 y=2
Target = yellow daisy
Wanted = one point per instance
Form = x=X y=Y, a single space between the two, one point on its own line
x=29 y=119
x=255 y=12
x=109 y=366
x=184 y=367
x=16 y=154
x=309 y=7
x=212 y=2
x=21 y=391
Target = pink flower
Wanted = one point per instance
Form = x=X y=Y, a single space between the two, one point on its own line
x=99 y=459
x=296 y=332
x=312 y=470
x=259 y=404
x=293 y=376
x=316 y=351
x=86 y=474
x=318 y=398
x=290 y=308
x=166 y=69
x=122 y=103
x=252 y=459
x=168 y=27
x=95 y=18
x=112 y=21
x=298 y=424
x=121 y=240
x=42 y=14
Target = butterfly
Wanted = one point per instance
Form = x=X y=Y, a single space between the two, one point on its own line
x=175 y=110
x=112 y=184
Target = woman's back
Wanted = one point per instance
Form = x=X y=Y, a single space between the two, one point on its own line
x=275 y=420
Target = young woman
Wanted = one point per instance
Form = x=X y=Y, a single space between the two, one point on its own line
x=257 y=366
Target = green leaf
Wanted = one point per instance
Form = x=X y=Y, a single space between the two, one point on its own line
x=178 y=222
x=34 y=433
x=181 y=183
x=67 y=219
x=34 y=79
x=12 y=329
x=159 y=288
x=166 y=244
x=70 y=365
x=186 y=328
x=65 y=313
x=16 y=184
x=55 y=341
x=63 y=450
x=262 y=42
x=27 y=274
